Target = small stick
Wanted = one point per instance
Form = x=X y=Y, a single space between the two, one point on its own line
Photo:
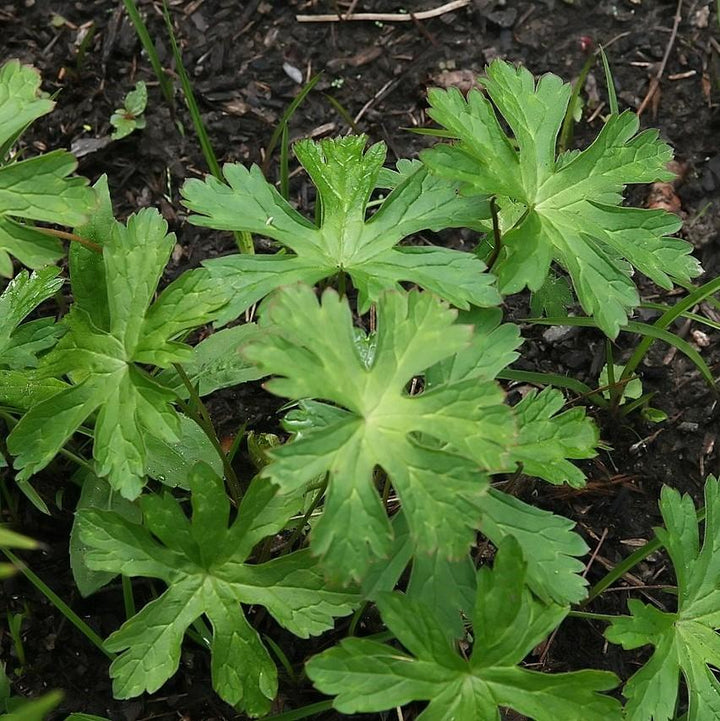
x=386 y=17
x=655 y=82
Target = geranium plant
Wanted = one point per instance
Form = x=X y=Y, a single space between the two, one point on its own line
x=399 y=435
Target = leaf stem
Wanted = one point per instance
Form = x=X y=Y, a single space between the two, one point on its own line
x=202 y=418
x=303 y=521
x=89 y=244
x=497 y=247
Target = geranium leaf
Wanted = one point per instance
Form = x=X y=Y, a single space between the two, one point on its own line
x=686 y=641
x=571 y=202
x=207 y=573
x=344 y=241
x=508 y=622
x=312 y=351
x=104 y=362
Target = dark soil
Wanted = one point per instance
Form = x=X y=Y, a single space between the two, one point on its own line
x=378 y=72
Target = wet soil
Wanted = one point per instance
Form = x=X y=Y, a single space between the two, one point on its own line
x=245 y=60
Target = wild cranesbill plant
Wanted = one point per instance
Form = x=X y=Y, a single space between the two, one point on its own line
x=399 y=436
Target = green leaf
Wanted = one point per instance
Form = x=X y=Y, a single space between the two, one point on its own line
x=171 y=462
x=87 y=268
x=104 y=363
x=686 y=641
x=572 y=212
x=19 y=344
x=448 y=587
x=21 y=100
x=312 y=349
x=204 y=564
x=96 y=493
x=25 y=389
x=548 y=542
x=216 y=363
x=344 y=241
x=31 y=247
x=129 y=117
x=508 y=622
x=34 y=189
x=553 y=298
x=630 y=391
x=492 y=348
x=39 y=189
x=136 y=100
x=547 y=437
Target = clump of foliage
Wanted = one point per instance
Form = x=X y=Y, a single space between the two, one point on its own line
x=401 y=439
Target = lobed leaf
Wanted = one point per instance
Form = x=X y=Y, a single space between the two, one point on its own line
x=508 y=622
x=571 y=202
x=344 y=241
x=207 y=573
x=686 y=641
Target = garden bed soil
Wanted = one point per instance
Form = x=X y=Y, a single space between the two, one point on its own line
x=244 y=59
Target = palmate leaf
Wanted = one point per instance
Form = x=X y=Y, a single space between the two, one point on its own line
x=433 y=446
x=345 y=241
x=686 y=641
x=508 y=622
x=204 y=564
x=34 y=189
x=568 y=205
x=103 y=361
x=312 y=348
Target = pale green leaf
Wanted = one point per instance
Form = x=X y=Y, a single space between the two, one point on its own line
x=345 y=240
x=40 y=189
x=312 y=351
x=572 y=201
x=21 y=100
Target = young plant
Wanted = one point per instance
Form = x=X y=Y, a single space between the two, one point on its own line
x=34 y=189
x=130 y=117
x=345 y=241
x=563 y=207
x=205 y=566
x=687 y=640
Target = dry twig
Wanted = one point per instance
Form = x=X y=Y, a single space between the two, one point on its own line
x=386 y=17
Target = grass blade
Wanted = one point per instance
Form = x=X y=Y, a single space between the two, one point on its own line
x=149 y=47
x=612 y=96
x=289 y=112
x=243 y=240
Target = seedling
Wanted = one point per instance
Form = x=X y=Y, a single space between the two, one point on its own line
x=131 y=116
